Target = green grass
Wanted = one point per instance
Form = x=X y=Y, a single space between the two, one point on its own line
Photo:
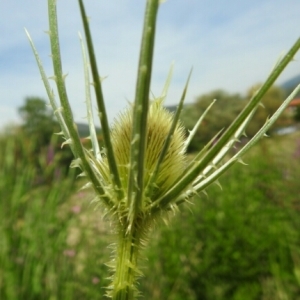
x=46 y=246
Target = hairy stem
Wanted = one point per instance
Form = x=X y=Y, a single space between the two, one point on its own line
x=128 y=246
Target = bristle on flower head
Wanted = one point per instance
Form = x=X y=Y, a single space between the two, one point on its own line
x=158 y=127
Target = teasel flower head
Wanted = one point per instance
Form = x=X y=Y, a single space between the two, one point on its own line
x=158 y=127
x=140 y=174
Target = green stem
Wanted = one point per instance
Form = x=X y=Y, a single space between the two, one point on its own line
x=126 y=271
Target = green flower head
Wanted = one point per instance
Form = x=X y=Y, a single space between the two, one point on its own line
x=158 y=127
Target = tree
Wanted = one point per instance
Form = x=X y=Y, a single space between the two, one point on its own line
x=297 y=114
x=38 y=120
x=219 y=117
x=226 y=108
x=270 y=102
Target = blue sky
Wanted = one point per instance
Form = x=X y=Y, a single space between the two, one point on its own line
x=230 y=45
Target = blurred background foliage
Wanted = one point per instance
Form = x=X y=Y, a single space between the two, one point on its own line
x=241 y=242
x=227 y=107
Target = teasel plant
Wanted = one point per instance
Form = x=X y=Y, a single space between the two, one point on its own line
x=141 y=174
